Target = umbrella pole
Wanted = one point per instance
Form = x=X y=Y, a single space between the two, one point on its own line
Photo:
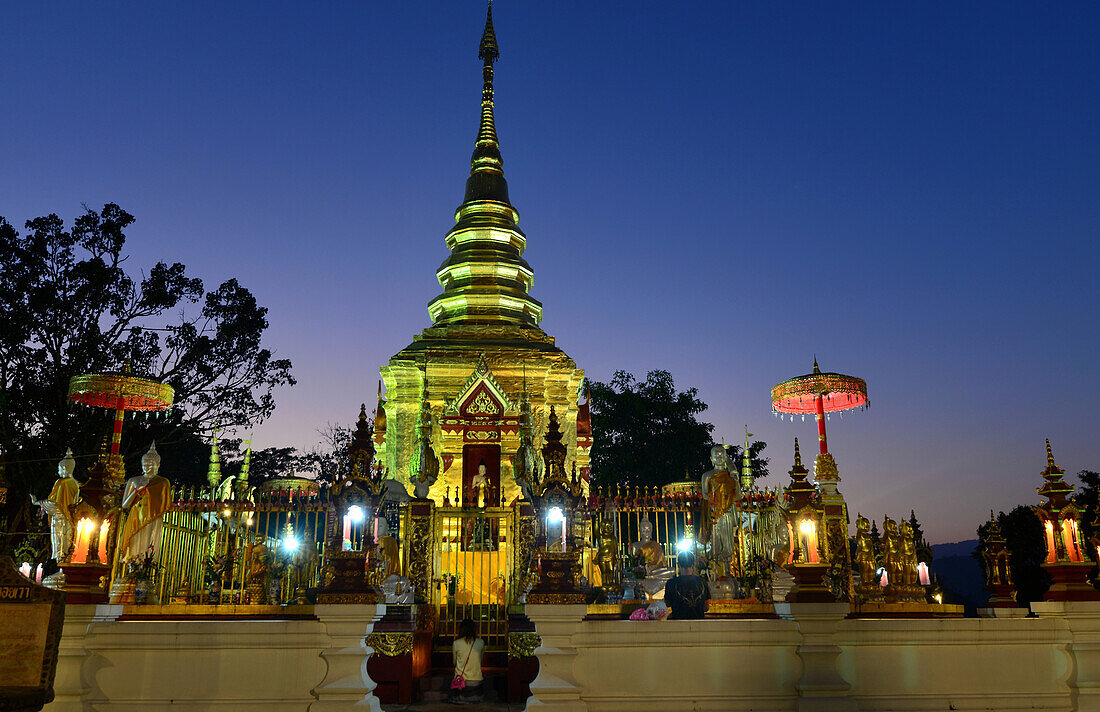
x=820 y=415
x=116 y=436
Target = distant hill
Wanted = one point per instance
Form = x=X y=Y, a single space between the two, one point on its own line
x=961 y=576
x=955 y=548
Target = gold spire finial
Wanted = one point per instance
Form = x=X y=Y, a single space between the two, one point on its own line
x=816 y=369
x=797 y=454
x=1050 y=455
x=487 y=150
x=214 y=469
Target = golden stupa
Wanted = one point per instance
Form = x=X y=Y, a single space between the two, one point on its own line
x=461 y=387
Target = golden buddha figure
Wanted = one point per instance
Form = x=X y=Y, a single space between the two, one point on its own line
x=395 y=587
x=259 y=560
x=145 y=499
x=721 y=491
x=59 y=506
x=607 y=554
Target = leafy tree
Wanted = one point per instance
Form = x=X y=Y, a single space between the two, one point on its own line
x=648 y=433
x=1087 y=498
x=68 y=306
x=329 y=459
x=1023 y=533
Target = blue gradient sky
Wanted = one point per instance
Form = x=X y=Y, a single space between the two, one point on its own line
x=720 y=190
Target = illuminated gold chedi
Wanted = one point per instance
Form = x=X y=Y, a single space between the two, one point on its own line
x=486 y=279
x=485 y=343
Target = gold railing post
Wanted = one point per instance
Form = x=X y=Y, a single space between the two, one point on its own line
x=421 y=548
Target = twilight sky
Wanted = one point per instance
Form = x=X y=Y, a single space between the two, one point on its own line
x=717 y=189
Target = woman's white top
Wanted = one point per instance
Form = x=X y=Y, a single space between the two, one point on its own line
x=468 y=667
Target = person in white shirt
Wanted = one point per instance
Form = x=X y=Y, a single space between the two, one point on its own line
x=467 y=650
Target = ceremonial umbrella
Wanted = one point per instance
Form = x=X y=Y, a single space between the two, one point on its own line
x=819 y=393
x=121 y=392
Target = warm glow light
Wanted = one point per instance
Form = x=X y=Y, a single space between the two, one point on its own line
x=685 y=544
x=1052 y=554
x=555 y=515
x=355 y=513
x=938 y=597
x=807 y=526
x=226 y=512
x=84 y=529
x=103 y=539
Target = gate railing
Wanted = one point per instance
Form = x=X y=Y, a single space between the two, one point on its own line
x=206 y=538
x=675 y=520
x=478 y=554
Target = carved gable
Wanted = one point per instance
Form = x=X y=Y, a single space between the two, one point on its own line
x=482 y=404
x=481 y=396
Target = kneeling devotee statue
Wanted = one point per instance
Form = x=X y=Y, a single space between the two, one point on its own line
x=145 y=499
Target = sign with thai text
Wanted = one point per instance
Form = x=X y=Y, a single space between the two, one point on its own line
x=30 y=630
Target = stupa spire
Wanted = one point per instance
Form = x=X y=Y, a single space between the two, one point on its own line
x=487 y=149
x=486 y=280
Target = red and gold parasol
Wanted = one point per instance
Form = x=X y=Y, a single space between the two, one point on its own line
x=819 y=393
x=120 y=392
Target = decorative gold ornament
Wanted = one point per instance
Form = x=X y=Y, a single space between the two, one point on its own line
x=483 y=405
x=391 y=644
x=421 y=548
x=522 y=644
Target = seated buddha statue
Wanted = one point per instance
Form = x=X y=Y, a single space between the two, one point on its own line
x=656 y=572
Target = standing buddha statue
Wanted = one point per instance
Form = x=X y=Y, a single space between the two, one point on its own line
x=145 y=499
x=607 y=556
x=720 y=491
x=58 y=505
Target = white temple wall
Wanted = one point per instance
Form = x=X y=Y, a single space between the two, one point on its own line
x=814 y=658
x=109 y=665
x=817 y=659
x=696 y=665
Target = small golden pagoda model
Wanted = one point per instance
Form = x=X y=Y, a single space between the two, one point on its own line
x=1061 y=520
x=805 y=518
x=998 y=571
x=483 y=349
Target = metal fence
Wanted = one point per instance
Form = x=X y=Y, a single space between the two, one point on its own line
x=207 y=539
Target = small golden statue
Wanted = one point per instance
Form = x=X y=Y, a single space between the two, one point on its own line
x=892 y=560
x=395 y=587
x=912 y=589
x=259 y=562
x=865 y=560
x=607 y=556
x=183 y=592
